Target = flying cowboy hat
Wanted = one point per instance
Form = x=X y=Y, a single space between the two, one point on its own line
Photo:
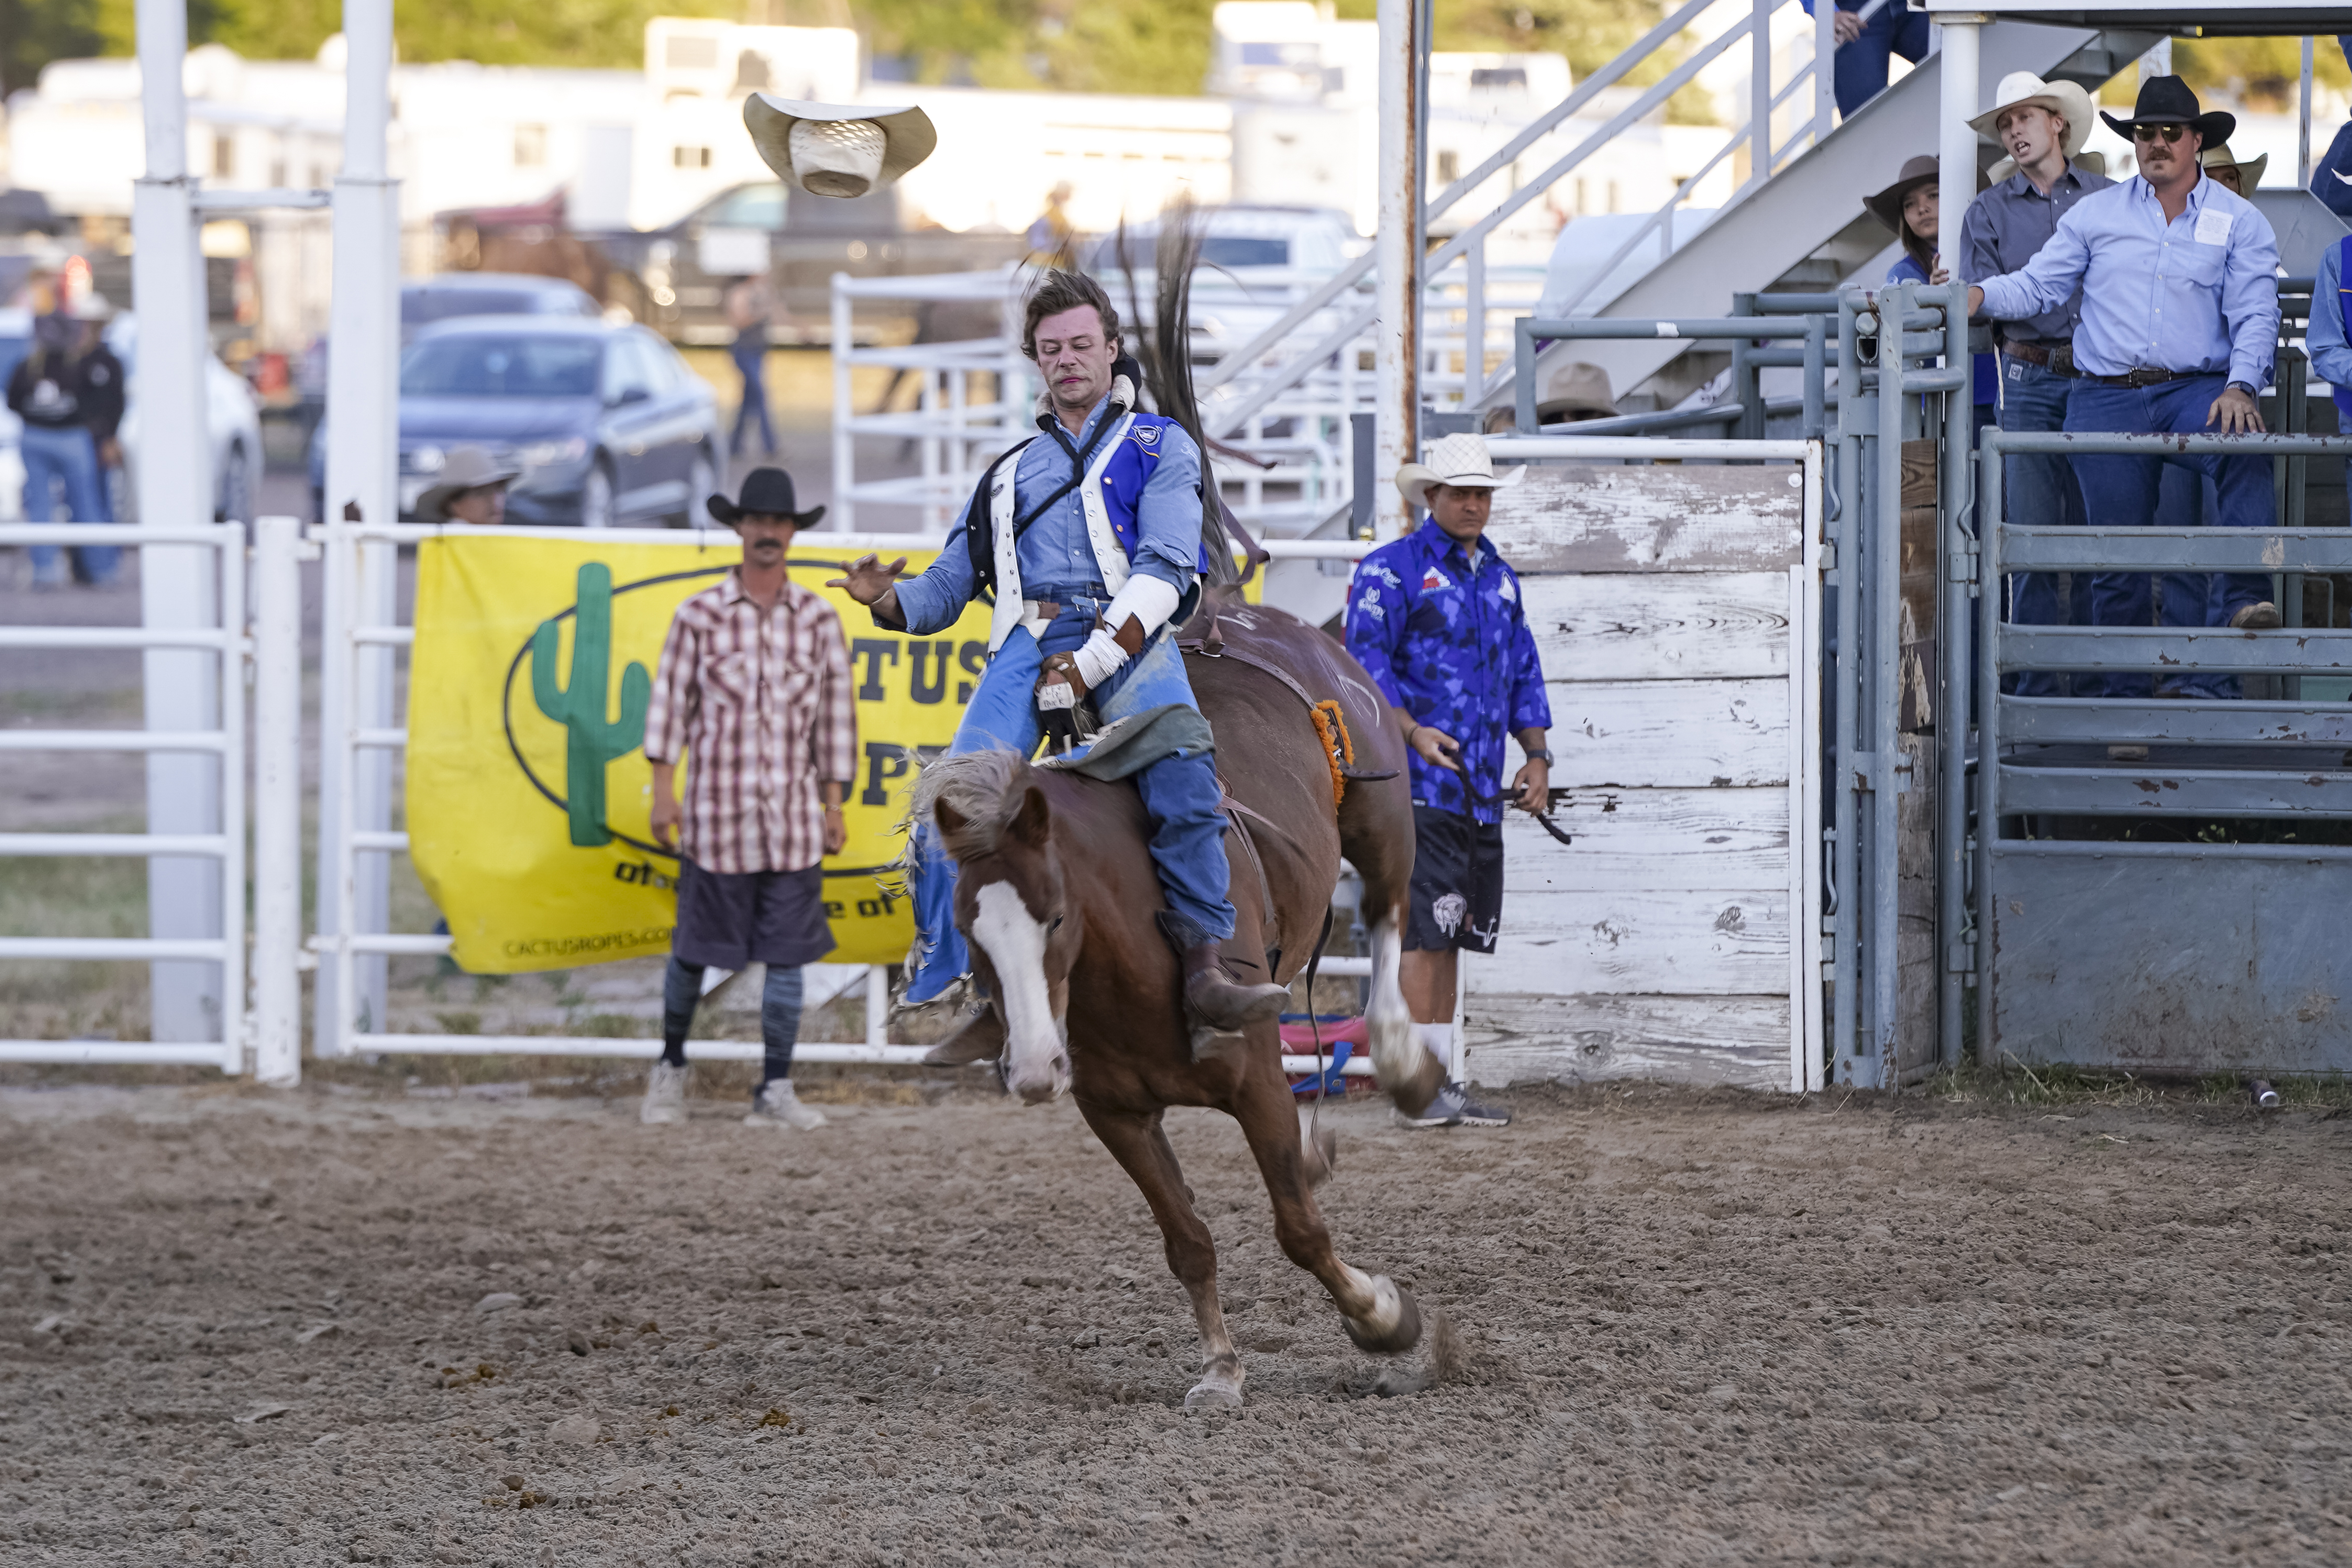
x=768 y=491
x=2063 y=98
x=1460 y=459
x=2166 y=100
x=837 y=149
x=468 y=468
x=2249 y=174
x=1886 y=206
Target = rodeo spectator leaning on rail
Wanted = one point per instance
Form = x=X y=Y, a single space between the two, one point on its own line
x=1436 y=619
x=2042 y=126
x=2179 y=327
x=753 y=684
x=472 y=490
x=2325 y=338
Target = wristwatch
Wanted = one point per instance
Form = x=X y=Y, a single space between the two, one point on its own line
x=2242 y=386
x=1540 y=755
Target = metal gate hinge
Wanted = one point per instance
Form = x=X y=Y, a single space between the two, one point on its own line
x=1961 y=958
x=1883 y=770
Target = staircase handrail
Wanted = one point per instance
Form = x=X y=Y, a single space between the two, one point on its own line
x=1357 y=270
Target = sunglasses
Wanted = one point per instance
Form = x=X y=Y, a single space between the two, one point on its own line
x=2165 y=133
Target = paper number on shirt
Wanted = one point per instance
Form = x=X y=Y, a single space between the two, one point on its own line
x=2212 y=227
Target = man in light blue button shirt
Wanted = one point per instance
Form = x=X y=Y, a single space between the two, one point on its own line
x=2180 y=282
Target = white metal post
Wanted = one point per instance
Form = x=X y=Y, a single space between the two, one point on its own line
x=1397 y=330
x=1824 y=75
x=277 y=800
x=356 y=689
x=878 y=1005
x=2302 y=123
x=844 y=511
x=235 y=1035
x=1955 y=143
x=1760 y=92
x=176 y=582
x=1473 y=325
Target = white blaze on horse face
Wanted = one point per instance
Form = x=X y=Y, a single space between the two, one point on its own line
x=1037 y=1064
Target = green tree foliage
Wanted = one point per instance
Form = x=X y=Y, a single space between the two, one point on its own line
x=34 y=32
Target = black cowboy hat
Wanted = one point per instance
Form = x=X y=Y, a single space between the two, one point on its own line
x=768 y=491
x=2166 y=100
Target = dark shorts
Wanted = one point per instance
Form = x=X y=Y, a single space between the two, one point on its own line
x=1457 y=882
x=726 y=920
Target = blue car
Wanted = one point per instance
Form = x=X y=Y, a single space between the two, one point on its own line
x=606 y=422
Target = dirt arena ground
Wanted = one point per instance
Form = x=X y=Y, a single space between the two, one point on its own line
x=329 y=1327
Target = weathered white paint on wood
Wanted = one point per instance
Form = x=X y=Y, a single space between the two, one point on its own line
x=1518 y=1037
x=1682 y=626
x=1669 y=734
x=1651 y=839
x=1669 y=942
x=1585 y=519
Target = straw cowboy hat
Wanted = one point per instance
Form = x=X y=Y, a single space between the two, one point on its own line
x=837 y=149
x=1575 y=388
x=2166 y=100
x=1886 y=206
x=468 y=468
x=769 y=492
x=2249 y=174
x=1460 y=459
x=2063 y=98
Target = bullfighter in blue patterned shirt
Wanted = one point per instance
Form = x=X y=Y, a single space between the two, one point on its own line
x=1436 y=620
x=1090 y=537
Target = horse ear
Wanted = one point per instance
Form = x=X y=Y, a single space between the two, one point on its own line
x=947 y=820
x=1030 y=824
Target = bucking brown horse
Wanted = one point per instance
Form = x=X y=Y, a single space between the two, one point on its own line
x=1056 y=893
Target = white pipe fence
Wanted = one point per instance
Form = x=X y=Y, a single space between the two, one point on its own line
x=222 y=744
x=339 y=948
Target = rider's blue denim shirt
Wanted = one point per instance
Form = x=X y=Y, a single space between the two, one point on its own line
x=1445 y=639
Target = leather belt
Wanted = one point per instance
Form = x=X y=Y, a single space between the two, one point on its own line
x=2057 y=358
x=2146 y=375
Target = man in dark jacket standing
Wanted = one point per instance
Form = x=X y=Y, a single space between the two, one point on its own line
x=69 y=396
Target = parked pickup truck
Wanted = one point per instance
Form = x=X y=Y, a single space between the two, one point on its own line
x=674 y=279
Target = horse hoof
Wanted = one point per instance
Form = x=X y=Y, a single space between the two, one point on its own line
x=1411 y=1091
x=1212 y=1396
x=1402 y=1334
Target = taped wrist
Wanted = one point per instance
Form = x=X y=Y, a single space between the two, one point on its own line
x=1098 y=658
x=1148 y=602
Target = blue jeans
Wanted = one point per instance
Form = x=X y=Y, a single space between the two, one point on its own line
x=2122 y=490
x=2038 y=491
x=1180 y=791
x=1859 y=68
x=750 y=355
x=65 y=462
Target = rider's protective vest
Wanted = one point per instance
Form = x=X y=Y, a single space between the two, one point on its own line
x=1110 y=493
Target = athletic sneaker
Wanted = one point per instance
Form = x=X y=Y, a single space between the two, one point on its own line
x=665 y=1095
x=1452 y=1108
x=778 y=1106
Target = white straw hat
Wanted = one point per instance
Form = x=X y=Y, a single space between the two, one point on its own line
x=1460 y=459
x=2064 y=99
x=837 y=149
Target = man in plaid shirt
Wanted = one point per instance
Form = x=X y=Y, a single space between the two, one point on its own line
x=754 y=683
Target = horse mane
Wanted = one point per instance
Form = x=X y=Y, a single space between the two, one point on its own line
x=984 y=788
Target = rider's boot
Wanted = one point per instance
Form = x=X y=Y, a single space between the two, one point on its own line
x=1214 y=998
x=979 y=1037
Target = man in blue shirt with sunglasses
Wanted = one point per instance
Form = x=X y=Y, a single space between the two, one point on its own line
x=2180 y=317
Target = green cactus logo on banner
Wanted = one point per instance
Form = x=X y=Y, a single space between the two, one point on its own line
x=592 y=741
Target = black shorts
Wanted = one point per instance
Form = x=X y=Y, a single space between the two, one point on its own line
x=730 y=920
x=1457 y=882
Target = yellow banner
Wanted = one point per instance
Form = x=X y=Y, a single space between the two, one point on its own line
x=528 y=794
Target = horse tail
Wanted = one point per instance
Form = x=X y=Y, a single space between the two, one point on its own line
x=1170 y=366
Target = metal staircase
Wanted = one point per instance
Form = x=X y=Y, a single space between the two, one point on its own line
x=1805 y=229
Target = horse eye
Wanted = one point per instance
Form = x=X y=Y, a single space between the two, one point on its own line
x=1053 y=925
